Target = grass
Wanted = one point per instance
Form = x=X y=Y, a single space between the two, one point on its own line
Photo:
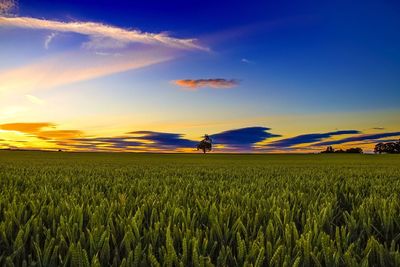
x=100 y=209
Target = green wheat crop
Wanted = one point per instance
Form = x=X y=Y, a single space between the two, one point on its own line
x=98 y=209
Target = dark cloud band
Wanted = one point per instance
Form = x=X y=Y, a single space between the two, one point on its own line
x=244 y=138
x=307 y=139
x=235 y=140
x=359 y=138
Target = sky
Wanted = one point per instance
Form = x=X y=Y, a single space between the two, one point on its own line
x=155 y=76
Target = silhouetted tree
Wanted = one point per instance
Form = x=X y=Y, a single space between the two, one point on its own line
x=389 y=147
x=355 y=150
x=329 y=149
x=379 y=148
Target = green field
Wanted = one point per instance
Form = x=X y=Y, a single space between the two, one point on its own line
x=99 y=209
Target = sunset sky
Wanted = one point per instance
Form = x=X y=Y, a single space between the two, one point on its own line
x=258 y=76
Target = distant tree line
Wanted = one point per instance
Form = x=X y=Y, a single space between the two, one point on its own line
x=389 y=147
x=353 y=150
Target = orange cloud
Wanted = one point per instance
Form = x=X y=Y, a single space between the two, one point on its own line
x=36 y=129
x=59 y=134
x=211 y=83
x=26 y=127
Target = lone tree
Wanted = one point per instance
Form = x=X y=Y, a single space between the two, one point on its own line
x=205 y=145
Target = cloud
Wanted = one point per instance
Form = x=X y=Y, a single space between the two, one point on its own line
x=48 y=39
x=7 y=6
x=306 y=139
x=244 y=138
x=164 y=140
x=358 y=138
x=40 y=130
x=217 y=83
x=378 y=128
x=35 y=100
x=232 y=140
x=108 y=54
x=26 y=127
x=123 y=142
x=236 y=139
x=75 y=67
x=59 y=134
x=248 y=139
x=145 y=141
x=245 y=60
x=102 y=35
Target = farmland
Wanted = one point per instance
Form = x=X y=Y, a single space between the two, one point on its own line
x=120 y=209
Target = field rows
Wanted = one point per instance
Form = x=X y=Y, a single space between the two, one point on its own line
x=66 y=209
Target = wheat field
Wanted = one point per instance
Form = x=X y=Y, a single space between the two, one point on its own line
x=121 y=209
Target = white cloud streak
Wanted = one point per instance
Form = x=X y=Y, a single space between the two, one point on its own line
x=48 y=39
x=245 y=60
x=101 y=34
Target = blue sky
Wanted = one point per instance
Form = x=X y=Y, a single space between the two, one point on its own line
x=191 y=67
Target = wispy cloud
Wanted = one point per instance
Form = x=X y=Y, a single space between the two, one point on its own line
x=118 y=142
x=358 y=138
x=41 y=130
x=164 y=140
x=26 y=127
x=145 y=141
x=306 y=139
x=105 y=54
x=217 y=83
x=245 y=60
x=48 y=39
x=35 y=100
x=101 y=34
x=82 y=64
x=76 y=67
x=248 y=139
x=59 y=134
x=241 y=139
x=49 y=134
